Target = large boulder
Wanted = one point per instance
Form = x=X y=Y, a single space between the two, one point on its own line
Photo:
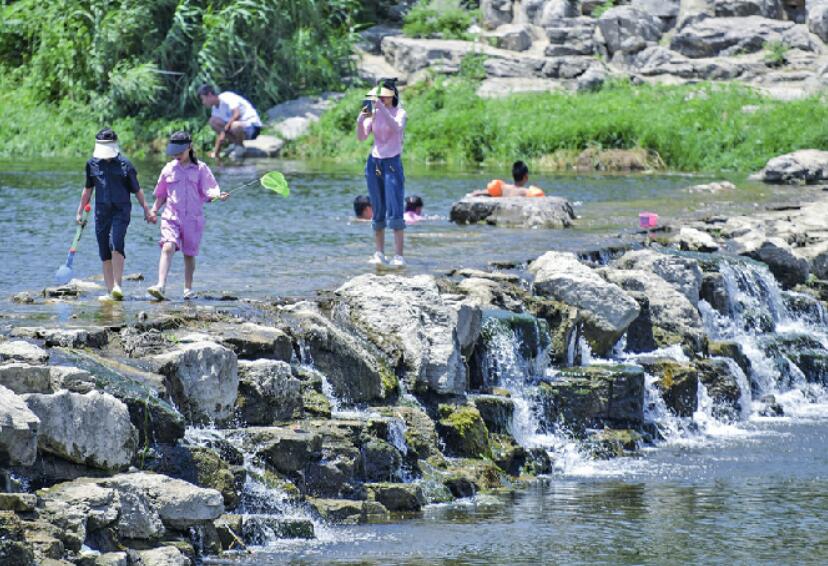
x=21 y=351
x=607 y=310
x=778 y=255
x=463 y=431
x=268 y=393
x=92 y=429
x=521 y=212
x=253 y=341
x=678 y=384
x=665 y=10
x=179 y=504
x=26 y=378
x=78 y=508
x=806 y=166
x=570 y=36
x=742 y=8
x=512 y=37
x=543 y=12
x=674 y=318
x=415 y=326
x=18 y=430
x=496 y=12
x=710 y=37
x=818 y=18
x=163 y=556
x=682 y=273
x=293 y=118
x=628 y=30
x=286 y=451
x=594 y=396
x=397 y=496
x=410 y=55
x=203 y=378
x=356 y=373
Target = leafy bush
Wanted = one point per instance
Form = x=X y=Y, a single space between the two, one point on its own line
x=599 y=11
x=431 y=20
x=268 y=50
x=776 y=53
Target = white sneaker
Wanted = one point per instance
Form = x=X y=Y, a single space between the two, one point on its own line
x=188 y=294
x=378 y=259
x=107 y=298
x=156 y=292
x=398 y=262
x=117 y=293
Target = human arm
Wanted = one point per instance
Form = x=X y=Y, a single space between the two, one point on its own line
x=234 y=116
x=135 y=188
x=396 y=121
x=86 y=196
x=208 y=187
x=364 y=122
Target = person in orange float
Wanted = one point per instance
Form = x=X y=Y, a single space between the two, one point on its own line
x=497 y=188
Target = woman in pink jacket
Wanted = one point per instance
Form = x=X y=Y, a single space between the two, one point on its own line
x=184 y=186
x=384 y=171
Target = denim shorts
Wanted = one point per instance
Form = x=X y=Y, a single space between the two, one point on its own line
x=252 y=132
x=386 y=190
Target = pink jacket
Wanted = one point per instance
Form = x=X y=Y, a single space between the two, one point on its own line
x=388 y=126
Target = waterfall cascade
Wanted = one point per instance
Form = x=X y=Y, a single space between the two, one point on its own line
x=781 y=338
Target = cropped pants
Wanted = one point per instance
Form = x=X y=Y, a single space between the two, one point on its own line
x=386 y=189
x=111 y=222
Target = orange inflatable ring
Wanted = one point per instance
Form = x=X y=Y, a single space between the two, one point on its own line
x=495 y=188
x=534 y=192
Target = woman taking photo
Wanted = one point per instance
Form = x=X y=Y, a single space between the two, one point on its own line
x=384 y=118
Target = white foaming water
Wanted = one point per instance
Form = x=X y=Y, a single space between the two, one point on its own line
x=745 y=399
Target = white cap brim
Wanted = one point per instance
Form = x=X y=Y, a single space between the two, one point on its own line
x=106 y=150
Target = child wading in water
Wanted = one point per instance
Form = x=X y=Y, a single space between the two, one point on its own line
x=114 y=180
x=184 y=186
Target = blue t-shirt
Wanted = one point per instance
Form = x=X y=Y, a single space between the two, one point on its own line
x=114 y=180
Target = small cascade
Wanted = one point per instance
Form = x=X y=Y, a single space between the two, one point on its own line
x=396 y=435
x=745 y=396
x=270 y=514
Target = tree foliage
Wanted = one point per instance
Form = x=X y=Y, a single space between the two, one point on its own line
x=130 y=56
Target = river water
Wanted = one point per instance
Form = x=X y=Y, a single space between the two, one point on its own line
x=258 y=244
x=750 y=492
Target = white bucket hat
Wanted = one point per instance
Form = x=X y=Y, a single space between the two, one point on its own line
x=106 y=145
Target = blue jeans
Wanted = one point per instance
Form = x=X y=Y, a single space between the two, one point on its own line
x=111 y=222
x=386 y=189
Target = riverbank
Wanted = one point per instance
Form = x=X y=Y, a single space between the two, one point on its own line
x=389 y=393
x=696 y=128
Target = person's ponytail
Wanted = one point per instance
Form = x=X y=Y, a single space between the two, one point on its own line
x=192 y=156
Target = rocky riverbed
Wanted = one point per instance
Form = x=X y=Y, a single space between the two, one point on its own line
x=222 y=426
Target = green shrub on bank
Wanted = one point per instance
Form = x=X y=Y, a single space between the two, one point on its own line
x=126 y=57
x=709 y=127
x=433 y=19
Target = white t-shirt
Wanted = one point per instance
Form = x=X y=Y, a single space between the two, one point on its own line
x=229 y=101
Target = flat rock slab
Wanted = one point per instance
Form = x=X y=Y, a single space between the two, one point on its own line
x=263 y=146
x=515 y=212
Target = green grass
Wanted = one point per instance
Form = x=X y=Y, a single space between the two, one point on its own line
x=708 y=127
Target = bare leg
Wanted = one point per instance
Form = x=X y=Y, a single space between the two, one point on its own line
x=217 y=124
x=107 y=273
x=164 y=263
x=379 y=240
x=117 y=268
x=399 y=237
x=189 y=270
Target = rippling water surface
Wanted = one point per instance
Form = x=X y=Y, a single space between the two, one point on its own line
x=760 y=497
x=258 y=244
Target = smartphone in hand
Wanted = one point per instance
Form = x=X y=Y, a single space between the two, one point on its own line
x=367 y=105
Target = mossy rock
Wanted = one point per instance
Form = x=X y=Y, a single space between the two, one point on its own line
x=397 y=497
x=562 y=320
x=732 y=350
x=420 y=432
x=483 y=473
x=463 y=431
x=390 y=382
x=613 y=443
x=496 y=412
x=678 y=383
x=213 y=472
x=507 y=454
x=316 y=404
